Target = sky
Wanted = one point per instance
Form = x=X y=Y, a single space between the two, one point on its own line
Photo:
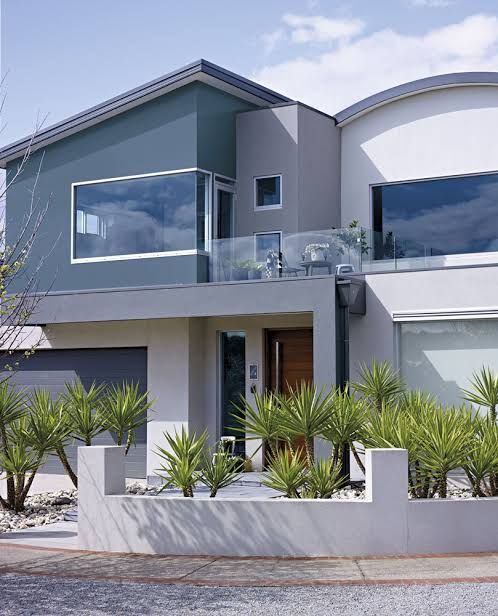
x=59 y=57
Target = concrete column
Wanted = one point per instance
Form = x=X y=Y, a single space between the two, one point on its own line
x=386 y=486
x=101 y=472
x=324 y=341
x=168 y=368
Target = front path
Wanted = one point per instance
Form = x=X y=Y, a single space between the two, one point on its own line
x=210 y=571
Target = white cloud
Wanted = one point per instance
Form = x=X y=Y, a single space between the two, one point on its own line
x=432 y=3
x=271 y=40
x=353 y=69
x=318 y=29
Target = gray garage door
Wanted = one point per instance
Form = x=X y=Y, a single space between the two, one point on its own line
x=52 y=369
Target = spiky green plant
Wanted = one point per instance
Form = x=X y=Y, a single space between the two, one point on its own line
x=286 y=473
x=444 y=440
x=182 y=460
x=124 y=409
x=48 y=430
x=345 y=424
x=261 y=421
x=483 y=391
x=380 y=384
x=84 y=414
x=396 y=427
x=306 y=411
x=12 y=408
x=323 y=479
x=481 y=463
x=219 y=470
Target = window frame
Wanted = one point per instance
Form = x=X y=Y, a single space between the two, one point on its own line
x=258 y=233
x=146 y=255
x=276 y=206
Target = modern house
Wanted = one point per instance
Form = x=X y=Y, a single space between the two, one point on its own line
x=199 y=241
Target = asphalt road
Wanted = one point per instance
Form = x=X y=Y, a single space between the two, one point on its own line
x=47 y=596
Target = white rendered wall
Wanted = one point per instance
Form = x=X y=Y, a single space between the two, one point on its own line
x=451 y=131
x=110 y=521
x=453 y=293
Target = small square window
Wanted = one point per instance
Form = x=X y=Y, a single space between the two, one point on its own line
x=269 y=191
x=266 y=243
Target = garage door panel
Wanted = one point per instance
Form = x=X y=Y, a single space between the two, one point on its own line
x=52 y=369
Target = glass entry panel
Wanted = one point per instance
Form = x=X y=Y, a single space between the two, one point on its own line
x=224 y=212
x=233 y=383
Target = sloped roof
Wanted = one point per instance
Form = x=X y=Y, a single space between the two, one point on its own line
x=201 y=70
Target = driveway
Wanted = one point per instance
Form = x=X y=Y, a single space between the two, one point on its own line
x=51 y=596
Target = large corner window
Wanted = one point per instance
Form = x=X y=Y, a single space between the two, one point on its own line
x=141 y=216
x=448 y=216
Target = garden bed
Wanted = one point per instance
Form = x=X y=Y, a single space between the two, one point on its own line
x=40 y=509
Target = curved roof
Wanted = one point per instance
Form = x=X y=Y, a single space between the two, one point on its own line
x=415 y=87
x=201 y=70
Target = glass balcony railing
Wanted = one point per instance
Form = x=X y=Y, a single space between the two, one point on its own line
x=328 y=252
x=275 y=255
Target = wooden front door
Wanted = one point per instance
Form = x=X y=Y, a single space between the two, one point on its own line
x=289 y=354
x=289 y=358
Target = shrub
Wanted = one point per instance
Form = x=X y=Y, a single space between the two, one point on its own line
x=181 y=460
x=219 y=470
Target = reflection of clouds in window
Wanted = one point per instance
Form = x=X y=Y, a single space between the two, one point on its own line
x=143 y=215
x=457 y=215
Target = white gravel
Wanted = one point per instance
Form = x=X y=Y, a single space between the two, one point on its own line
x=58 y=597
x=40 y=509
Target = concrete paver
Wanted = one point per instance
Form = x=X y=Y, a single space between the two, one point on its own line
x=430 y=568
x=212 y=571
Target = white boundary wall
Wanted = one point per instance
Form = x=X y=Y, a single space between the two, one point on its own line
x=385 y=523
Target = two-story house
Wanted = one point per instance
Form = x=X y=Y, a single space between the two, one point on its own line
x=198 y=241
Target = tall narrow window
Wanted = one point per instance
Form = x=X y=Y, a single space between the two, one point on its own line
x=233 y=383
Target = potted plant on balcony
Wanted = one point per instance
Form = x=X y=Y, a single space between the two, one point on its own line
x=255 y=271
x=240 y=270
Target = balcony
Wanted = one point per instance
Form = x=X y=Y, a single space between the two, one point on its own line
x=328 y=252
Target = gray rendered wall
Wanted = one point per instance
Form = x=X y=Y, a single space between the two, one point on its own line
x=171 y=132
x=319 y=171
x=304 y=147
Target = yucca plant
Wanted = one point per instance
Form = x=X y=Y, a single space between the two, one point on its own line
x=262 y=421
x=84 y=415
x=123 y=410
x=345 y=424
x=20 y=462
x=395 y=427
x=48 y=430
x=323 y=479
x=379 y=384
x=219 y=470
x=483 y=391
x=481 y=463
x=305 y=412
x=182 y=460
x=286 y=473
x=12 y=408
x=444 y=440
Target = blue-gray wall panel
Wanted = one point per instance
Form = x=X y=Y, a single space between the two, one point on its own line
x=161 y=135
